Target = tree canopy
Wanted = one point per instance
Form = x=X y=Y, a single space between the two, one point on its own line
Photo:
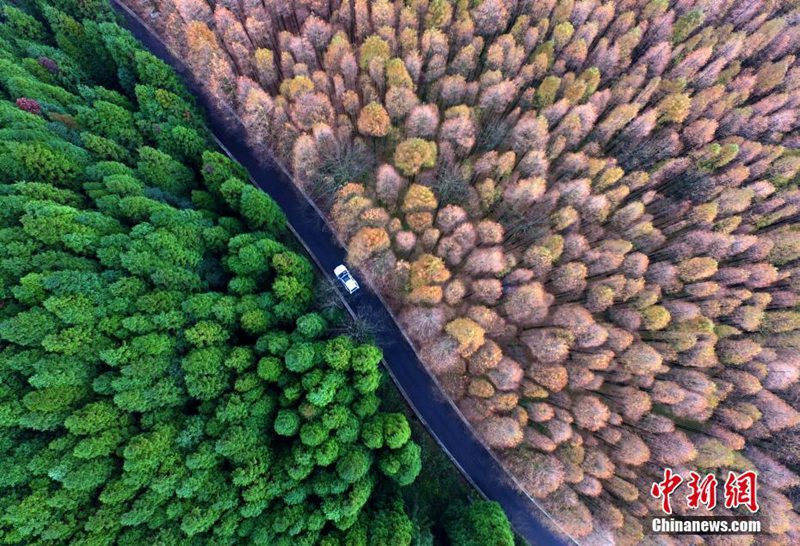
x=166 y=374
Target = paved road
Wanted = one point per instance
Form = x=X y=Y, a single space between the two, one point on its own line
x=419 y=388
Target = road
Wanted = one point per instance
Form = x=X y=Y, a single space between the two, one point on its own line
x=418 y=386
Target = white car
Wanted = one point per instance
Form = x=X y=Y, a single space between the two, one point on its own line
x=348 y=281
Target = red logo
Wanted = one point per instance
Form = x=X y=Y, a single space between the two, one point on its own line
x=742 y=490
x=663 y=489
x=702 y=491
x=739 y=490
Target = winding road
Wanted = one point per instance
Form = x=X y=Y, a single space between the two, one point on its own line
x=420 y=389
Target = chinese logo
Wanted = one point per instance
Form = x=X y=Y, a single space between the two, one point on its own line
x=739 y=490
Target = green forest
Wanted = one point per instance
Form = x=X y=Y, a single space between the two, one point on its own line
x=171 y=371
